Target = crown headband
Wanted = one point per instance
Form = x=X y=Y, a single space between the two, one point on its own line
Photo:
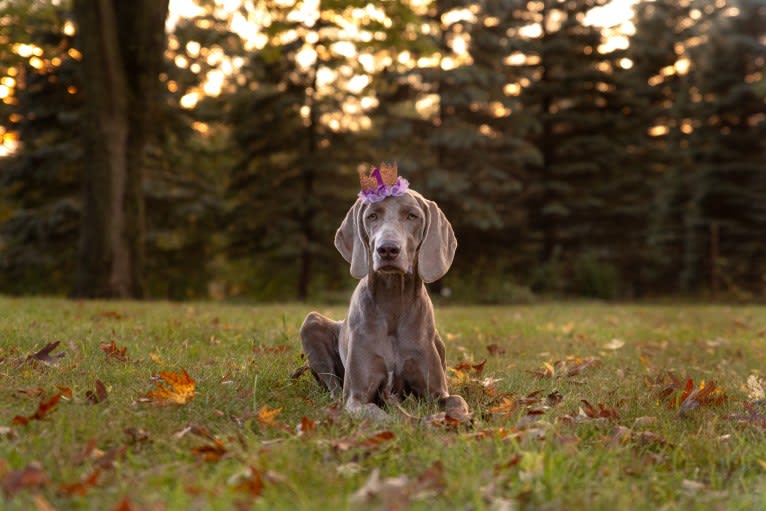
x=381 y=183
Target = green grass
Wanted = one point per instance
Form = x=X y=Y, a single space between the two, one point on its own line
x=709 y=461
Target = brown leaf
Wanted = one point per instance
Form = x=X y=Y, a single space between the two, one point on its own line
x=65 y=392
x=33 y=392
x=602 y=412
x=114 y=351
x=31 y=476
x=306 y=426
x=251 y=483
x=85 y=453
x=369 y=443
x=495 y=349
x=467 y=367
x=44 y=355
x=43 y=409
x=81 y=487
x=505 y=408
x=106 y=461
x=751 y=417
x=136 y=435
x=299 y=372
x=211 y=452
x=99 y=395
x=125 y=505
x=111 y=315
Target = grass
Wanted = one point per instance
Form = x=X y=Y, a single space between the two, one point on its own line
x=241 y=358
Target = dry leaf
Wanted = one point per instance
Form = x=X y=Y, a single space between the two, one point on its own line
x=99 y=395
x=178 y=388
x=306 y=426
x=495 y=349
x=43 y=409
x=115 y=352
x=614 y=344
x=111 y=315
x=210 y=452
x=81 y=487
x=31 y=476
x=44 y=355
x=267 y=416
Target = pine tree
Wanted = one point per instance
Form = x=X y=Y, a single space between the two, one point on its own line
x=41 y=181
x=296 y=126
x=727 y=211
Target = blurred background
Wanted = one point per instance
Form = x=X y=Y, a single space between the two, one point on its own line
x=210 y=148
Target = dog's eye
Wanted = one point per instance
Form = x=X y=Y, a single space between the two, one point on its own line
x=411 y=216
x=372 y=216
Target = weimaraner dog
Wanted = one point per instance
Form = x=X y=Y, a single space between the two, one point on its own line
x=388 y=345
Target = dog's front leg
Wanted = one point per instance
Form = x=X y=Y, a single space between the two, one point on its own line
x=365 y=379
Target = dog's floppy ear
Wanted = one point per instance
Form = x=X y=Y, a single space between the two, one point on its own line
x=350 y=241
x=438 y=247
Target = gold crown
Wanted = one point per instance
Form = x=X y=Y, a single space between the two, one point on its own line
x=386 y=174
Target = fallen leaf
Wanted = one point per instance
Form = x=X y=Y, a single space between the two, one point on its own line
x=99 y=395
x=762 y=463
x=306 y=426
x=106 y=460
x=267 y=416
x=44 y=355
x=43 y=409
x=125 y=505
x=115 y=352
x=33 y=392
x=212 y=451
x=495 y=349
x=111 y=315
x=505 y=408
x=250 y=482
x=398 y=492
x=614 y=344
x=31 y=476
x=178 y=388
x=299 y=372
x=751 y=417
x=756 y=390
x=41 y=503
x=136 y=435
x=66 y=392
x=81 y=487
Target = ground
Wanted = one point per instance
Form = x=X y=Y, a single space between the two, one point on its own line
x=592 y=406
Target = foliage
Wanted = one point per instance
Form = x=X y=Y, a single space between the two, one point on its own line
x=640 y=407
x=565 y=162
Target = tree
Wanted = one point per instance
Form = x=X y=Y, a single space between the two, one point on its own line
x=122 y=45
x=40 y=181
x=729 y=151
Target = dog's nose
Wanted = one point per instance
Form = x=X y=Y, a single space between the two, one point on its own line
x=388 y=250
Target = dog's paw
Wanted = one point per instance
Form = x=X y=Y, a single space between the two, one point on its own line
x=456 y=408
x=369 y=411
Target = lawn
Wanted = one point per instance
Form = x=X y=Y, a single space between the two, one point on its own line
x=576 y=406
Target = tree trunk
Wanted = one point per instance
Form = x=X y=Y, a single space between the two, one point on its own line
x=122 y=45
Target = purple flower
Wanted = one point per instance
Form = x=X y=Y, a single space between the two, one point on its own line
x=400 y=187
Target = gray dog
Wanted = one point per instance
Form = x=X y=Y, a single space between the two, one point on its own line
x=388 y=345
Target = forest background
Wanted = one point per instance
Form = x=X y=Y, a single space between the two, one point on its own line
x=196 y=148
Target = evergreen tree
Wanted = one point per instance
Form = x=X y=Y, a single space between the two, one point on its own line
x=296 y=125
x=40 y=182
x=727 y=209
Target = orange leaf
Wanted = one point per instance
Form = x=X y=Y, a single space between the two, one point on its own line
x=112 y=350
x=43 y=409
x=252 y=484
x=306 y=426
x=81 y=487
x=178 y=388
x=505 y=408
x=267 y=416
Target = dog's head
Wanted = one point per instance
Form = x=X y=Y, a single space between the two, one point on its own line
x=400 y=234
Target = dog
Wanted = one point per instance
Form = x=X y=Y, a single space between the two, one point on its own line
x=388 y=346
